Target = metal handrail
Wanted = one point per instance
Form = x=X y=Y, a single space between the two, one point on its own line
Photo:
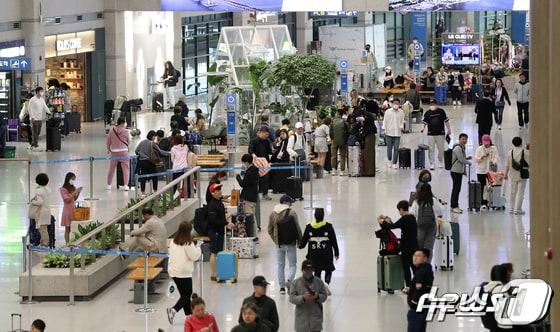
x=137 y=206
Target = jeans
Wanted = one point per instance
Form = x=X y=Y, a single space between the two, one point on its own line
x=184 y=285
x=416 y=321
x=482 y=179
x=499 y=115
x=427 y=239
x=170 y=94
x=457 y=181
x=433 y=142
x=36 y=131
x=392 y=148
x=522 y=113
x=343 y=149
x=517 y=194
x=281 y=252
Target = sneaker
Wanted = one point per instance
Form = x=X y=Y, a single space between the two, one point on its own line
x=459 y=103
x=511 y=211
x=125 y=188
x=405 y=290
x=457 y=210
x=283 y=291
x=441 y=165
x=395 y=166
x=341 y=173
x=519 y=212
x=108 y=187
x=454 y=103
x=432 y=167
x=499 y=127
x=389 y=163
x=170 y=315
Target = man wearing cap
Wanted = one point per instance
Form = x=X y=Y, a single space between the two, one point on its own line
x=297 y=144
x=436 y=120
x=267 y=307
x=284 y=229
x=308 y=293
x=217 y=221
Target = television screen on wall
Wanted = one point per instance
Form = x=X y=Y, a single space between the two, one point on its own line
x=463 y=5
x=460 y=54
x=252 y=5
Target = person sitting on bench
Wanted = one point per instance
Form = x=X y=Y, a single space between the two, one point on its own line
x=152 y=236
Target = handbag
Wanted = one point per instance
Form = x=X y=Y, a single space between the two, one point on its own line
x=34 y=211
x=81 y=212
x=192 y=159
x=154 y=156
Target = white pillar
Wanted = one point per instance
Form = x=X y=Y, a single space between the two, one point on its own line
x=34 y=34
x=304 y=31
x=114 y=48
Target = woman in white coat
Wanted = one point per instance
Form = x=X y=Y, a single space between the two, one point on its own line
x=39 y=207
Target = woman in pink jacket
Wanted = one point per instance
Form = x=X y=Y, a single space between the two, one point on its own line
x=179 y=153
x=69 y=195
x=117 y=146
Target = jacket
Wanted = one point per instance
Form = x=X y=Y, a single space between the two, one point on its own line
x=249 y=184
x=194 y=324
x=268 y=313
x=322 y=243
x=216 y=215
x=144 y=150
x=42 y=199
x=513 y=174
x=421 y=284
x=459 y=159
x=260 y=148
x=154 y=230
x=483 y=163
x=297 y=142
x=37 y=109
x=409 y=231
x=179 y=156
x=460 y=79
x=278 y=214
x=484 y=110
x=281 y=152
x=503 y=98
x=173 y=78
x=181 y=259
x=393 y=122
x=308 y=314
x=259 y=326
x=339 y=131
x=118 y=139
x=181 y=122
x=521 y=91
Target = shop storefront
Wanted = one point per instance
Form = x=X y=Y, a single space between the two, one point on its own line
x=77 y=59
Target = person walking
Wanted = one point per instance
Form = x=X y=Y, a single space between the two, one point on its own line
x=500 y=96
x=39 y=209
x=517 y=171
x=521 y=91
x=322 y=241
x=179 y=154
x=170 y=79
x=250 y=320
x=183 y=252
x=436 y=120
x=37 y=111
x=266 y=307
x=217 y=221
x=393 y=124
x=484 y=110
x=117 y=143
x=200 y=320
x=339 y=135
x=409 y=243
x=321 y=146
x=308 y=293
x=422 y=283
x=261 y=147
x=458 y=162
x=69 y=195
x=249 y=183
x=149 y=156
x=428 y=212
x=284 y=229
x=486 y=157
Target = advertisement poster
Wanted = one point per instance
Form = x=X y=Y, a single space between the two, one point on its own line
x=467 y=5
x=419 y=29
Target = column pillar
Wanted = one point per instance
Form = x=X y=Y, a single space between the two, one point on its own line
x=304 y=31
x=242 y=19
x=34 y=34
x=178 y=47
x=365 y=19
x=115 y=48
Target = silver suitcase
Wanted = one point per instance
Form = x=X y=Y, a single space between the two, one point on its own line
x=495 y=199
x=443 y=253
x=354 y=155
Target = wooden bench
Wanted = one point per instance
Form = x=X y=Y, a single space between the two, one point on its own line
x=139 y=262
x=137 y=275
x=211 y=160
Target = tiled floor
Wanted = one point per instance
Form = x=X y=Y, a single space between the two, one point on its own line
x=351 y=204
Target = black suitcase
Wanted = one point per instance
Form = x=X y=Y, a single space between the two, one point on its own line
x=74 y=122
x=278 y=178
x=157 y=102
x=51 y=230
x=404 y=158
x=456 y=237
x=131 y=178
x=294 y=183
x=475 y=194
x=53 y=135
x=419 y=159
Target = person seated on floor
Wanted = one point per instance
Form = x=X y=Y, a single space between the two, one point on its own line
x=152 y=236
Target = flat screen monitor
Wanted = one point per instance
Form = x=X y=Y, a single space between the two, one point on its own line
x=460 y=54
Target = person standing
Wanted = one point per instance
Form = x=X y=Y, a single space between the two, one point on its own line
x=517 y=161
x=367 y=129
x=428 y=211
x=38 y=325
x=183 y=252
x=199 y=121
x=179 y=153
x=521 y=91
x=321 y=147
x=200 y=320
x=39 y=208
x=321 y=238
x=37 y=110
x=500 y=96
x=117 y=143
x=69 y=195
x=456 y=85
x=484 y=109
x=217 y=221
x=297 y=144
x=261 y=147
x=308 y=293
x=284 y=229
x=393 y=124
x=486 y=155
x=249 y=183
x=409 y=243
x=149 y=156
x=422 y=283
x=280 y=146
x=67 y=106
x=266 y=307
x=442 y=78
x=339 y=135
x=458 y=162
x=170 y=78
x=436 y=120
x=250 y=321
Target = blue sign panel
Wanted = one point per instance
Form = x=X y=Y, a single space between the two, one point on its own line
x=344 y=83
x=231 y=99
x=416 y=63
x=343 y=64
x=518 y=22
x=231 y=123
x=17 y=63
x=419 y=29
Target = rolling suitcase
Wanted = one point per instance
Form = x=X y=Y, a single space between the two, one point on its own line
x=74 y=122
x=53 y=135
x=131 y=178
x=475 y=194
x=226 y=263
x=390 y=275
x=443 y=253
x=245 y=247
x=294 y=184
x=381 y=136
x=354 y=156
x=245 y=224
x=440 y=95
x=419 y=158
x=496 y=200
x=13 y=318
x=278 y=178
x=404 y=158
x=157 y=102
x=455 y=228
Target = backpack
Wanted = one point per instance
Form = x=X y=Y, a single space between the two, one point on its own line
x=201 y=220
x=287 y=231
x=389 y=243
x=426 y=216
x=448 y=158
x=339 y=126
x=488 y=319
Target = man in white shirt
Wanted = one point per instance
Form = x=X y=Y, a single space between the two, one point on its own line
x=297 y=144
x=37 y=111
x=393 y=124
x=513 y=174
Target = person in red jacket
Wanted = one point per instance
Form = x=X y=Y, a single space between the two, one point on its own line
x=200 y=320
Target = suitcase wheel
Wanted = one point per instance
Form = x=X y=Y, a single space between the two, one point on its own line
x=378 y=290
x=451 y=268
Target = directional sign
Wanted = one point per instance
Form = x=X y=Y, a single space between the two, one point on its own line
x=231 y=123
x=231 y=99
x=344 y=64
x=16 y=63
x=344 y=83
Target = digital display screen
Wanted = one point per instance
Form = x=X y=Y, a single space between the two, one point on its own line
x=464 y=5
x=252 y=5
x=460 y=54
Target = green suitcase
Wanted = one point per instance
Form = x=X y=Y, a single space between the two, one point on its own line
x=390 y=276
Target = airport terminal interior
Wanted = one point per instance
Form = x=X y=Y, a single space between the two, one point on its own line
x=223 y=77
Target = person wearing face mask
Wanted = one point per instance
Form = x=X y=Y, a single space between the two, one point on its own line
x=308 y=293
x=393 y=124
x=261 y=147
x=388 y=79
x=500 y=96
x=249 y=183
x=37 y=110
x=69 y=194
x=436 y=120
x=485 y=156
x=456 y=85
x=117 y=143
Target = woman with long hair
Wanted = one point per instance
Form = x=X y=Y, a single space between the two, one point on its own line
x=321 y=146
x=500 y=96
x=170 y=78
x=428 y=210
x=183 y=252
x=200 y=121
x=69 y=194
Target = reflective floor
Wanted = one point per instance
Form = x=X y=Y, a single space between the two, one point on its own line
x=351 y=204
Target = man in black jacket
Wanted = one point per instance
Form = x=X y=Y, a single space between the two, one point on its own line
x=421 y=284
x=267 y=307
x=367 y=130
x=484 y=110
x=250 y=186
x=179 y=118
x=217 y=221
x=261 y=147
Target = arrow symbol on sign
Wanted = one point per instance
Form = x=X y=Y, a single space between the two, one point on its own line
x=23 y=63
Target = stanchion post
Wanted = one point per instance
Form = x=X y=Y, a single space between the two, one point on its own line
x=72 y=281
x=24 y=256
x=310 y=169
x=201 y=272
x=199 y=188
x=145 y=308
x=29 y=181
x=29 y=277
x=91 y=198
